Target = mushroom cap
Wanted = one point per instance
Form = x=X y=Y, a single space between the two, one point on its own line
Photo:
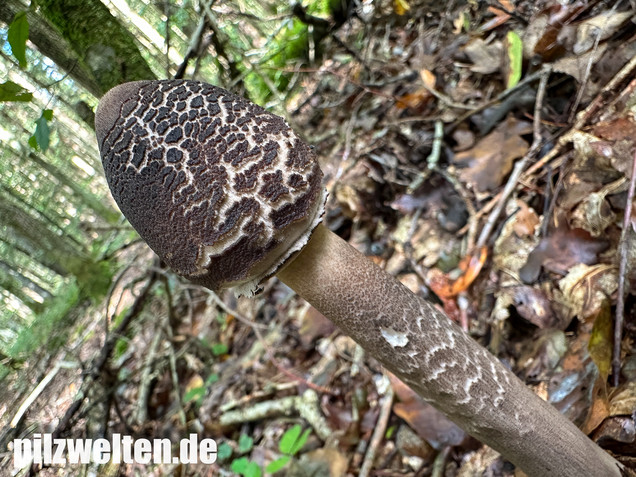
x=222 y=190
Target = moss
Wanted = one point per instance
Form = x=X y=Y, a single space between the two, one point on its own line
x=105 y=47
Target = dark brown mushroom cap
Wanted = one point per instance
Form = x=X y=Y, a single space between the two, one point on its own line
x=222 y=190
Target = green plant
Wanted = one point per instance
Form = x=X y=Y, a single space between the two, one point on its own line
x=246 y=467
x=290 y=444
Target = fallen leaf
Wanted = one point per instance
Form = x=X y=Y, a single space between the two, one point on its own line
x=598 y=28
x=526 y=220
x=561 y=250
x=499 y=19
x=549 y=33
x=534 y=306
x=623 y=401
x=408 y=442
x=464 y=138
x=327 y=462
x=514 y=63
x=415 y=100
x=485 y=57
x=601 y=340
x=544 y=354
x=314 y=325
x=599 y=410
x=585 y=288
x=618 y=434
x=447 y=289
x=571 y=390
x=424 y=419
x=488 y=163
x=401 y=6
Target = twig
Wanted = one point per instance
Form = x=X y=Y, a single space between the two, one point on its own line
x=521 y=164
x=168 y=319
x=306 y=405
x=584 y=116
x=193 y=48
x=622 y=273
x=588 y=67
x=440 y=462
x=378 y=432
x=440 y=26
x=38 y=390
x=147 y=373
x=501 y=96
x=432 y=159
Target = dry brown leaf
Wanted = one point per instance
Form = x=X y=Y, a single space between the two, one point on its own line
x=499 y=19
x=599 y=410
x=534 y=306
x=623 y=402
x=327 y=462
x=490 y=161
x=561 y=250
x=585 y=288
x=485 y=57
x=525 y=221
x=424 y=419
x=570 y=390
x=618 y=434
x=313 y=325
x=549 y=34
x=598 y=28
x=594 y=213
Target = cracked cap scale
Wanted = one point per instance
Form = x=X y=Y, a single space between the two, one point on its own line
x=222 y=190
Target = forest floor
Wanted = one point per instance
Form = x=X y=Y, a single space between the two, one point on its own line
x=482 y=153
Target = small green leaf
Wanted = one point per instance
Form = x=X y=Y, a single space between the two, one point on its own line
x=194 y=395
x=224 y=451
x=289 y=438
x=47 y=114
x=300 y=442
x=33 y=142
x=212 y=378
x=17 y=35
x=10 y=91
x=239 y=465
x=292 y=441
x=515 y=59
x=219 y=348
x=245 y=443
x=42 y=133
x=278 y=464
x=252 y=470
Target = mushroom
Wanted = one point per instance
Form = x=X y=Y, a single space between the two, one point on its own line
x=228 y=195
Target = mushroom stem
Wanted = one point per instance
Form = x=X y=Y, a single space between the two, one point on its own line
x=446 y=367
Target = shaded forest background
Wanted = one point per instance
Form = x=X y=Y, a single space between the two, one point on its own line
x=418 y=111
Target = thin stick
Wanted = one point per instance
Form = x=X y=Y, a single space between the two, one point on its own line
x=583 y=117
x=500 y=97
x=588 y=67
x=521 y=164
x=622 y=272
x=378 y=433
x=38 y=390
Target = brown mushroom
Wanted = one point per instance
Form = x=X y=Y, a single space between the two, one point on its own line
x=228 y=195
